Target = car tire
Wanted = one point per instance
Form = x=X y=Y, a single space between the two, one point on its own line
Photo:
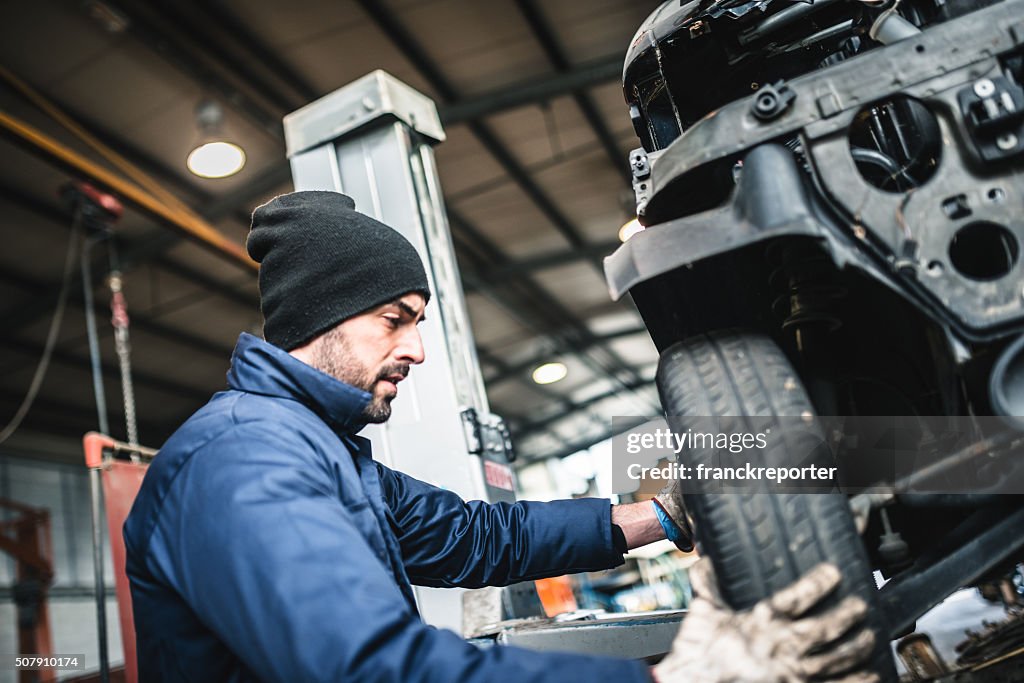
x=761 y=542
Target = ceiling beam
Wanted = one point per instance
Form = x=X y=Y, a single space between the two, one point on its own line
x=545 y=35
x=534 y=91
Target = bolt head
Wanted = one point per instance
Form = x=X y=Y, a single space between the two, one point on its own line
x=1006 y=142
x=984 y=88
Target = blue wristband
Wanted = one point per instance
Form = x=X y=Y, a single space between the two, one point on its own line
x=672 y=532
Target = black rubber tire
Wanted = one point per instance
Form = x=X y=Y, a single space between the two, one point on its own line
x=759 y=543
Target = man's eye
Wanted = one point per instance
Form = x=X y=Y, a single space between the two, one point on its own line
x=393 y=322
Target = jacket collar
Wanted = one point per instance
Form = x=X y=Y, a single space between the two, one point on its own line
x=258 y=367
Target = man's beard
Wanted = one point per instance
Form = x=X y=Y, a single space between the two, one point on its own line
x=333 y=356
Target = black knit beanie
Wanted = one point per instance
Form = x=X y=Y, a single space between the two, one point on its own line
x=321 y=262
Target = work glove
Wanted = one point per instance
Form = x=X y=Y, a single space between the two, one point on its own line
x=668 y=505
x=775 y=642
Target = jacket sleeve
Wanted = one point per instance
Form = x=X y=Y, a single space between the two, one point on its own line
x=449 y=542
x=253 y=537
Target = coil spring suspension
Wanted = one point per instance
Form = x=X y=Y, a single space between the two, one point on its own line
x=806 y=277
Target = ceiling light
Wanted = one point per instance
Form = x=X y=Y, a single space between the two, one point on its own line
x=549 y=373
x=213 y=156
x=629 y=229
x=216 y=159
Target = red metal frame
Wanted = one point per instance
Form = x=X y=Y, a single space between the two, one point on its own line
x=27 y=539
x=121 y=482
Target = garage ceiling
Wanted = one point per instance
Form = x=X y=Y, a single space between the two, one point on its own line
x=534 y=173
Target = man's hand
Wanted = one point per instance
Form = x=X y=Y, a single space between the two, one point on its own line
x=672 y=514
x=775 y=642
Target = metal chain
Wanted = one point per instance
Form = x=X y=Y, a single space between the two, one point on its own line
x=119 y=318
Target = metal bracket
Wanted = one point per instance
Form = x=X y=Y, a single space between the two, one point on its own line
x=487 y=434
x=772 y=101
x=640 y=167
x=993 y=110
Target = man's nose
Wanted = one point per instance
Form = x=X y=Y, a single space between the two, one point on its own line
x=411 y=348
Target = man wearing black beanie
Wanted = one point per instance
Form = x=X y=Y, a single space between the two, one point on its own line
x=267 y=545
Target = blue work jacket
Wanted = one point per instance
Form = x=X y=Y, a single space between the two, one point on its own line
x=267 y=545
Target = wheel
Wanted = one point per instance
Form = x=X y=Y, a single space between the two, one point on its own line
x=759 y=543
